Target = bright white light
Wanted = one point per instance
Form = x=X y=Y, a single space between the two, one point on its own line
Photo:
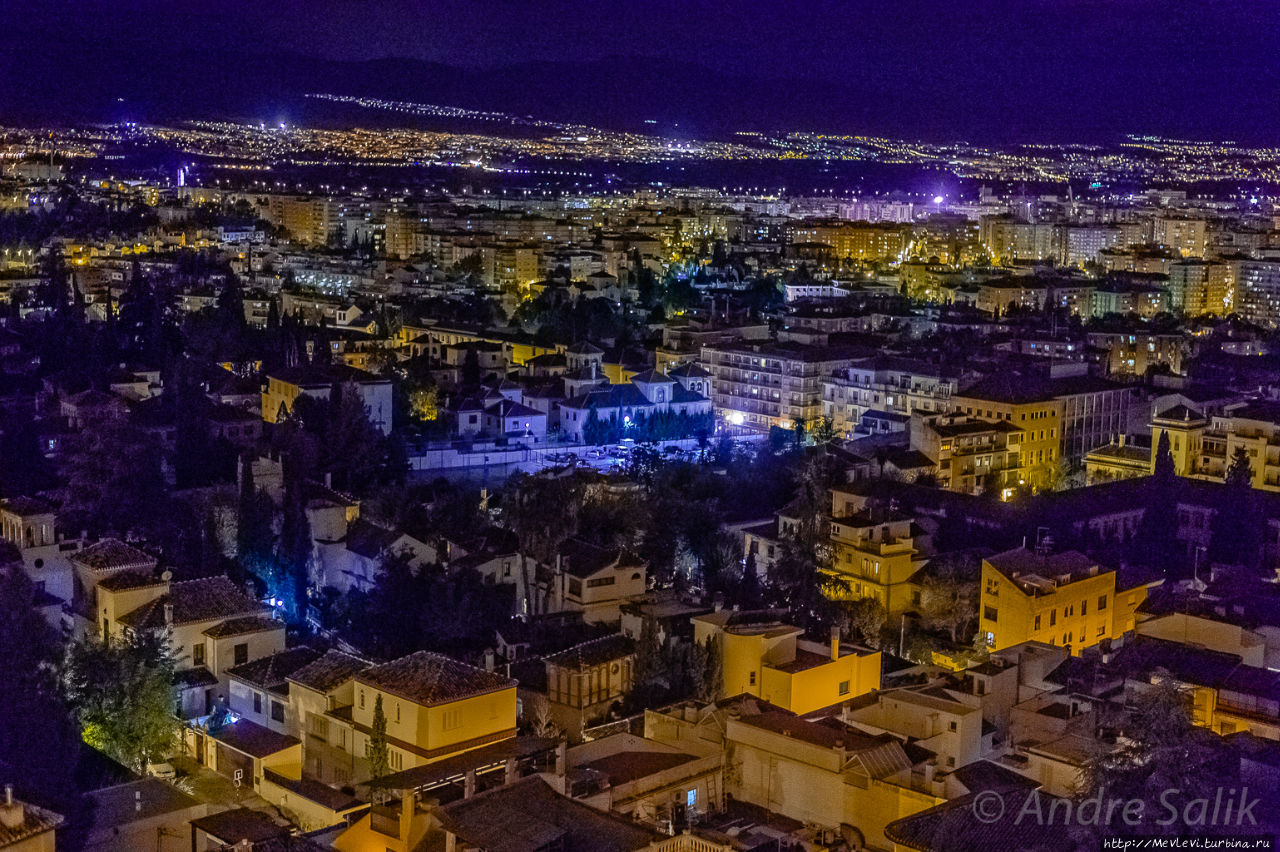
x=937 y=199
x=735 y=418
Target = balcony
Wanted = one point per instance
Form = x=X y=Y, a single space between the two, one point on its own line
x=385 y=819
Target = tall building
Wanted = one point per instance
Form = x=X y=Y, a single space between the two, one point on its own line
x=1197 y=287
x=854 y=240
x=883 y=383
x=1258 y=291
x=1184 y=235
x=771 y=384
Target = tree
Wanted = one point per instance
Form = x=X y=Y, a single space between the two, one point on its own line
x=376 y=750
x=1163 y=467
x=1235 y=533
x=542 y=512
x=1240 y=472
x=948 y=603
x=39 y=737
x=825 y=431
x=293 y=553
x=353 y=449
x=255 y=540
x=122 y=691
x=866 y=621
x=1162 y=757
x=113 y=480
x=1154 y=543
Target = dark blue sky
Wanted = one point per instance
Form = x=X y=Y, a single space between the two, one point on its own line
x=934 y=68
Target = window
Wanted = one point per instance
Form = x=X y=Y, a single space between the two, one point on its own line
x=844 y=687
x=1053 y=617
x=1102 y=603
x=951 y=726
x=599 y=581
x=575 y=588
x=197 y=654
x=751 y=679
x=395 y=759
x=1037 y=627
x=362 y=699
x=1084 y=607
x=241 y=653
x=450 y=720
x=257 y=702
x=989 y=613
x=277 y=711
x=397 y=711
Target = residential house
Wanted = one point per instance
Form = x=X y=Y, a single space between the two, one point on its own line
x=761 y=655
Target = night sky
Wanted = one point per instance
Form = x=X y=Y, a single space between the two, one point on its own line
x=939 y=69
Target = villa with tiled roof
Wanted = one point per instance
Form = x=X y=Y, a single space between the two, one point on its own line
x=435 y=707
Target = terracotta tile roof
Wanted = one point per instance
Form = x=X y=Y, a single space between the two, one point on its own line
x=329 y=671
x=243 y=625
x=253 y=739
x=194 y=678
x=953 y=826
x=582 y=559
x=594 y=652
x=130 y=580
x=272 y=672
x=529 y=815
x=233 y=826
x=193 y=601
x=315 y=791
x=111 y=554
x=25 y=507
x=35 y=821
x=427 y=679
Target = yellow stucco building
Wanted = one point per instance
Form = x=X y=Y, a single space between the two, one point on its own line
x=764 y=657
x=873 y=554
x=1063 y=599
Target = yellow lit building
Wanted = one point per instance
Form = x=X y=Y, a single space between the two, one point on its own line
x=1039 y=417
x=874 y=553
x=855 y=240
x=764 y=657
x=435 y=707
x=1063 y=599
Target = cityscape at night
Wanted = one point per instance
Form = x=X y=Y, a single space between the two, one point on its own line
x=678 y=427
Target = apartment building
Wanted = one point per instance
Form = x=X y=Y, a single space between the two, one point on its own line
x=883 y=383
x=771 y=384
x=1064 y=599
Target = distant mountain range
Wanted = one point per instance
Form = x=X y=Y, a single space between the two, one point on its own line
x=101 y=84
x=68 y=83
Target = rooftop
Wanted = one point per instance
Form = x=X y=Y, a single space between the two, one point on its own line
x=428 y=679
x=594 y=652
x=111 y=554
x=529 y=815
x=206 y=599
x=329 y=671
x=273 y=671
x=253 y=739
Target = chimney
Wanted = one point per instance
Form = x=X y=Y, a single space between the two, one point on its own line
x=328 y=479
x=488 y=659
x=835 y=642
x=562 y=757
x=469 y=784
x=12 y=814
x=510 y=774
x=168 y=615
